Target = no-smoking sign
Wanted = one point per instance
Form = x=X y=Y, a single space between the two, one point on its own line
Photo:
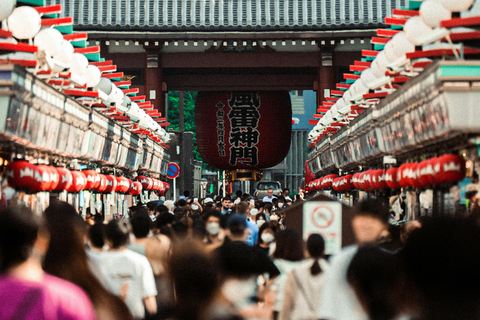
x=325 y=218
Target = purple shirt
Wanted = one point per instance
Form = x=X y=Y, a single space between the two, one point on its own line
x=52 y=299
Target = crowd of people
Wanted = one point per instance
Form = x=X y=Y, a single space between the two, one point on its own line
x=233 y=258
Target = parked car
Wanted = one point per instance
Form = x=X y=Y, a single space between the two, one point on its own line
x=263 y=186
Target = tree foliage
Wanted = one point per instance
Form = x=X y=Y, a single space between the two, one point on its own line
x=189 y=115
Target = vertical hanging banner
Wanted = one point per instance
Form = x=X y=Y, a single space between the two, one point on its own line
x=243 y=130
x=325 y=218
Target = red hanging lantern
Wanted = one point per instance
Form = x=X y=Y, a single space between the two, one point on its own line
x=167 y=186
x=161 y=190
x=122 y=184
x=131 y=186
x=93 y=179
x=449 y=168
x=425 y=173
x=111 y=184
x=402 y=175
x=391 y=178
x=65 y=179
x=327 y=181
x=79 y=181
x=54 y=178
x=347 y=183
x=21 y=174
x=145 y=181
x=414 y=180
x=336 y=184
x=136 y=188
x=381 y=179
x=356 y=180
x=234 y=129
x=367 y=181
x=45 y=173
x=102 y=186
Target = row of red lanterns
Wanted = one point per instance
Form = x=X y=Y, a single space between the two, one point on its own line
x=449 y=168
x=32 y=178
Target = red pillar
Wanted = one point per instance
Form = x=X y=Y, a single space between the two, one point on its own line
x=154 y=87
x=326 y=72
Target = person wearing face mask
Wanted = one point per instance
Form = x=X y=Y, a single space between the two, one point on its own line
x=260 y=219
x=266 y=237
x=280 y=203
x=215 y=234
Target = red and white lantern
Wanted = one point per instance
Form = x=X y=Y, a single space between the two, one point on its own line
x=111 y=185
x=93 y=179
x=22 y=175
x=65 y=179
x=79 y=181
x=102 y=186
x=449 y=168
x=391 y=178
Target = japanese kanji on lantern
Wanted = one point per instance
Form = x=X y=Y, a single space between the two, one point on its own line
x=243 y=130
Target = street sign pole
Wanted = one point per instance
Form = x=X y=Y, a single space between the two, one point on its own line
x=174 y=189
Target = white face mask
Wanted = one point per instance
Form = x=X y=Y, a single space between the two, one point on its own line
x=260 y=223
x=268 y=237
x=280 y=204
x=213 y=228
x=240 y=291
x=194 y=207
x=253 y=211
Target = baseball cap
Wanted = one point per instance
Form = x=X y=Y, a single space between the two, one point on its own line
x=208 y=200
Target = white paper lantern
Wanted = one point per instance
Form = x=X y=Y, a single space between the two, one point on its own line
x=347 y=96
x=65 y=54
x=398 y=47
x=340 y=103
x=358 y=88
x=49 y=40
x=105 y=85
x=134 y=110
x=367 y=77
x=116 y=95
x=6 y=8
x=379 y=65
x=24 y=22
x=433 y=12
x=92 y=76
x=79 y=64
x=415 y=28
x=457 y=5
x=334 y=111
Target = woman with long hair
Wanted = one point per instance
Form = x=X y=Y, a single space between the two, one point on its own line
x=304 y=284
x=66 y=258
x=288 y=254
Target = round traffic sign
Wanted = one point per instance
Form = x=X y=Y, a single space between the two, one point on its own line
x=173 y=170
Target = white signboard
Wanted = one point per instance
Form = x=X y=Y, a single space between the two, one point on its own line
x=325 y=218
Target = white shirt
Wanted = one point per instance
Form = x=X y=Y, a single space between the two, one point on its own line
x=338 y=300
x=126 y=266
x=268 y=199
x=284 y=266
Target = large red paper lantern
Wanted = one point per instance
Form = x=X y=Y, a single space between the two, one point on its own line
x=79 y=181
x=336 y=184
x=93 y=179
x=449 y=168
x=414 y=180
x=21 y=175
x=391 y=178
x=167 y=186
x=111 y=184
x=161 y=190
x=243 y=130
x=65 y=179
x=122 y=185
